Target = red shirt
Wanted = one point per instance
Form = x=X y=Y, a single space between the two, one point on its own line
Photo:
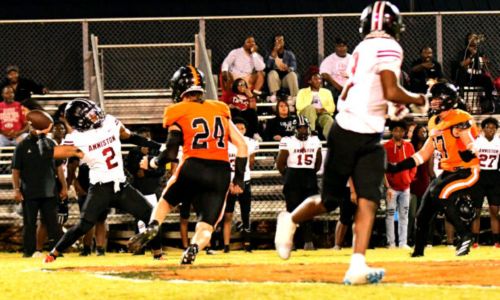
x=11 y=116
x=399 y=181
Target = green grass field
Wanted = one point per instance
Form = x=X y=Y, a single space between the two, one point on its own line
x=29 y=278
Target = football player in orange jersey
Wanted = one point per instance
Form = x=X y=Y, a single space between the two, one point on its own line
x=204 y=129
x=451 y=132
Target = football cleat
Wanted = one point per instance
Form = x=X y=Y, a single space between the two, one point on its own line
x=189 y=255
x=138 y=241
x=475 y=245
x=463 y=247
x=50 y=258
x=285 y=229
x=365 y=275
x=497 y=245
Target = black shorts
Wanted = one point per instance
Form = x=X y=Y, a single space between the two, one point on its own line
x=356 y=155
x=488 y=186
x=101 y=218
x=101 y=196
x=202 y=182
x=243 y=197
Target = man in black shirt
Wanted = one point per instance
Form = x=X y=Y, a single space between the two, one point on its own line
x=23 y=87
x=424 y=69
x=34 y=182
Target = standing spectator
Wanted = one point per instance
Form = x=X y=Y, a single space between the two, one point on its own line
x=23 y=87
x=333 y=68
x=421 y=181
x=34 y=182
x=243 y=105
x=354 y=148
x=398 y=185
x=298 y=161
x=243 y=198
x=472 y=67
x=13 y=125
x=488 y=145
x=282 y=124
x=316 y=103
x=423 y=70
x=281 y=65
x=246 y=63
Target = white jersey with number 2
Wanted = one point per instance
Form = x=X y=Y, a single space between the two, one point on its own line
x=102 y=151
x=364 y=109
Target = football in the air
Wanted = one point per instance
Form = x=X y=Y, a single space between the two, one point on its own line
x=39 y=119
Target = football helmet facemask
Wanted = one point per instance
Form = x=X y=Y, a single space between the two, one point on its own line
x=299 y=123
x=382 y=16
x=83 y=114
x=187 y=79
x=447 y=93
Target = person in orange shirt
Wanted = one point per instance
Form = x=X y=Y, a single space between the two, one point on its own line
x=451 y=132
x=204 y=129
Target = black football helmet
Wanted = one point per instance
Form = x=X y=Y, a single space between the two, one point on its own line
x=299 y=122
x=447 y=93
x=381 y=16
x=187 y=79
x=83 y=114
x=465 y=208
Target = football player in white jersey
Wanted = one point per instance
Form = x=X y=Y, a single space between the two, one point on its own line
x=488 y=145
x=298 y=161
x=244 y=198
x=354 y=148
x=96 y=140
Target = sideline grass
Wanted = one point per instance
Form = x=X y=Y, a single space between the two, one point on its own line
x=29 y=279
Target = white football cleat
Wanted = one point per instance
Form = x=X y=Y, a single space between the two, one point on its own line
x=285 y=229
x=365 y=275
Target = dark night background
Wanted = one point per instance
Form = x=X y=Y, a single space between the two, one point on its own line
x=51 y=9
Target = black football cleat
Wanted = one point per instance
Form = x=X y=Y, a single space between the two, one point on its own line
x=138 y=241
x=189 y=255
x=463 y=247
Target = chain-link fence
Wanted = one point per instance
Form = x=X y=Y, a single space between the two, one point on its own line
x=56 y=55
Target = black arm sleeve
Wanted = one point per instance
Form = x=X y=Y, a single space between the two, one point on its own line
x=142 y=141
x=174 y=140
x=401 y=166
x=45 y=147
x=239 y=172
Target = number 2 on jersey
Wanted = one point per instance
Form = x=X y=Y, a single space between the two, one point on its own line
x=109 y=153
x=200 y=139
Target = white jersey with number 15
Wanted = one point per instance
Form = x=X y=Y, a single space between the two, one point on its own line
x=301 y=154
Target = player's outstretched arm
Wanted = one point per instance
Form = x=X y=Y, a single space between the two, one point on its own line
x=395 y=93
x=423 y=155
x=174 y=141
x=67 y=151
x=130 y=137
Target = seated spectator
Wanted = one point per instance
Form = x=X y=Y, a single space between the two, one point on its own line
x=243 y=105
x=23 y=87
x=13 y=125
x=246 y=63
x=316 y=103
x=281 y=125
x=281 y=65
x=424 y=69
x=333 y=69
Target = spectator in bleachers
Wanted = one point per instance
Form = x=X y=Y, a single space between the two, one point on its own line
x=13 y=125
x=34 y=181
x=472 y=69
x=488 y=145
x=398 y=185
x=243 y=198
x=424 y=70
x=281 y=125
x=316 y=103
x=243 y=105
x=23 y=87
x=281 y=66
x=246 y=63
x=333 y=68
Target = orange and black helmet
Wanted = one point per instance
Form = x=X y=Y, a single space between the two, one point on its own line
x=185 y=80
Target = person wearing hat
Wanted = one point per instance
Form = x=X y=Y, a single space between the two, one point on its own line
x=23 y=87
